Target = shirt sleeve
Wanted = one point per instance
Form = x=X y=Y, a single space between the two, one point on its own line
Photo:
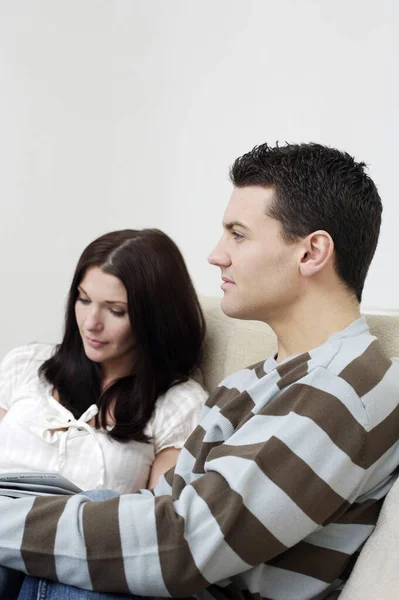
x=176 y=415
x=270 y=485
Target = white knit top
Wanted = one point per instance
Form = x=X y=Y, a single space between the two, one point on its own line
x=88 y=457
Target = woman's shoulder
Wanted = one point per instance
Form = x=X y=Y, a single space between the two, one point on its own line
x=176 y=414
x=186 y=392
x=32 y=351
x=20 y=368
x=179 y=401
x=22 y=358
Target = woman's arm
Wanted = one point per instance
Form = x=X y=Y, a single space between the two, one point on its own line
x=165 y=460
x=2 y=413
x=175 y=417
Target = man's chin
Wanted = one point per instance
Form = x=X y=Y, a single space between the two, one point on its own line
x=236 y=310
x=230 y=309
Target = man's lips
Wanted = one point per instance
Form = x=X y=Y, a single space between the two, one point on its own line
x=226 y=283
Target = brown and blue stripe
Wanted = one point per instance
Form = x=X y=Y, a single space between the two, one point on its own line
x=40 y=532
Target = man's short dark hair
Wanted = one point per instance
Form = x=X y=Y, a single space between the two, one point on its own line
x=317 y=187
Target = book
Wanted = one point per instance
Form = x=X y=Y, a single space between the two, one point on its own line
x=21 y=485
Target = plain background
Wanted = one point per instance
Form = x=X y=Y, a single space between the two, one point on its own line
x=128 y=113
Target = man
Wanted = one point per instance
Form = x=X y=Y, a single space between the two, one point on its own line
x=282 y=482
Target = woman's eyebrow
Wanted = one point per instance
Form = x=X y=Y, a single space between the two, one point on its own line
x=81 y=289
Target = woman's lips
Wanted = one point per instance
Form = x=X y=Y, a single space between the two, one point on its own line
x=94 y=343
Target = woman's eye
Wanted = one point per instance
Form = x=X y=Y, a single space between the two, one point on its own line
x=83 y=300
x=237 y=236
x=117 y=313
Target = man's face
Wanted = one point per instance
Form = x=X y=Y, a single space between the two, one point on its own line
x=259 y=269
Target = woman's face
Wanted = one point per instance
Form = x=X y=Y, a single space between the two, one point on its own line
x=103 y=322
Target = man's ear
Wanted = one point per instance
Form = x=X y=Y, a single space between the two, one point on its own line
x=317 y=250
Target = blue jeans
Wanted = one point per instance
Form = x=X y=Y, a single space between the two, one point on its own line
x=43 y=589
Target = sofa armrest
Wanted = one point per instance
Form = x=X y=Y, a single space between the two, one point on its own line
x=376 y=573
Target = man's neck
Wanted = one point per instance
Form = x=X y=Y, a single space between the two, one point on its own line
x=312 y=321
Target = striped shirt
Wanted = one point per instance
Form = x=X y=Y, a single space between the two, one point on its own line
x=272 y=497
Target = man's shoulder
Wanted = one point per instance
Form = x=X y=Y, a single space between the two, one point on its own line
x=362 y=363
x=346 y=366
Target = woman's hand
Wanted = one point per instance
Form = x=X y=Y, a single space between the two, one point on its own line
x=4 y=412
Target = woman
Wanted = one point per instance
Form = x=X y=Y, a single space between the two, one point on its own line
x=113 y=404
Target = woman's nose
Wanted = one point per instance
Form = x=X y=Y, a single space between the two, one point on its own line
x=93 y=320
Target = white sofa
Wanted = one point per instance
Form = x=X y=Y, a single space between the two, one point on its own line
x=232 y=344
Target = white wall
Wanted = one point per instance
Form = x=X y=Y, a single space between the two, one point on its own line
x=128 y=113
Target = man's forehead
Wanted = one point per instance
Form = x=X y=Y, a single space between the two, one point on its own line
x=246 y=205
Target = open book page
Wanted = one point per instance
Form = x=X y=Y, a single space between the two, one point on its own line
x=18 y=485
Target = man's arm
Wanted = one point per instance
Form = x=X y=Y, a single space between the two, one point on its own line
x=274 y=483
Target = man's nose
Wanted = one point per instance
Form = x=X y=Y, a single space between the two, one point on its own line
x=219 y=257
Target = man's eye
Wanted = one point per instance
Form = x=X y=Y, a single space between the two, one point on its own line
x=236 y=235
